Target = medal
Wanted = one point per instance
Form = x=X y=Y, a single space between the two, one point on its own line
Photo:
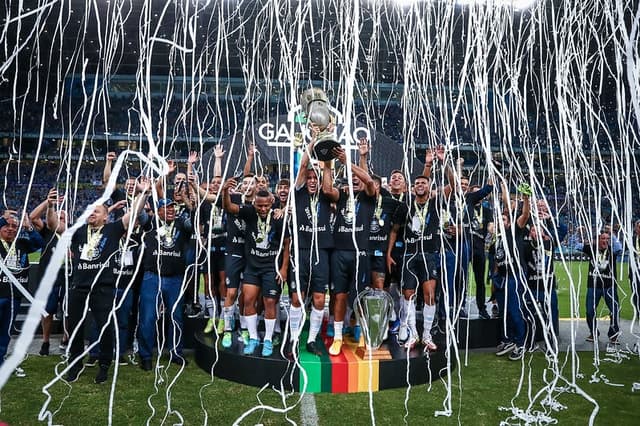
x=93 y=239
x=313 y=207
x=378 y=211
x=217 y=219
x=166 y=233
x=11 y=259
x=415 y=224
x=263 y=228
x=603 y=261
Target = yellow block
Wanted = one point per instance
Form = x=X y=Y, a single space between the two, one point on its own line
x=366 y=368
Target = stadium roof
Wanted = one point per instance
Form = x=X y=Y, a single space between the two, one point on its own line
x=93 y=37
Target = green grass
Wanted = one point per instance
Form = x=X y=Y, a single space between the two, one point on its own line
x=87 y=403
x=487 y=383
x=578 y=270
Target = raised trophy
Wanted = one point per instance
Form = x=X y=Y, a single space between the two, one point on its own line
x=315 y=105
x=373 y=310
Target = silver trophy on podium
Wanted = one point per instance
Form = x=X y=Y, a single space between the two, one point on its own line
x=373 y=311
x=315 y=105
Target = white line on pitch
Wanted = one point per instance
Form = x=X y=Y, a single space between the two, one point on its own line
x=308 y=410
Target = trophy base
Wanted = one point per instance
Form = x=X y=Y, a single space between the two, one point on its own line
x=365 y=353
x=322 y=149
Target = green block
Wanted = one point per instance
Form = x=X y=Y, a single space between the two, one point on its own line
x=318 y=369
x=326 y=373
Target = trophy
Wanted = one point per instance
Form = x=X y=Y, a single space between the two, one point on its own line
x=315 y=105
x=373 y=310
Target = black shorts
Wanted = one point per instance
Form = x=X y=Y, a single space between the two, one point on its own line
x=313 y=271
x=234 y=267
x=344 y=276
x=395 y=275
x=378 y=264
x=265 y=278
x=419 y=268
x=214 y=263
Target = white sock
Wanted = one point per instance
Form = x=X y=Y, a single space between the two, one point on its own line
x=278 y=328
x=208 y=304
x=202 y=299
x=315 y=323
x=227 y=313
x=269 y=325
x=404 y=312
x=252 y=325
x=243 y=321
x=411 y=316
x=428 y=312
x=222 y=302
x=295 y=317
x=337 y=325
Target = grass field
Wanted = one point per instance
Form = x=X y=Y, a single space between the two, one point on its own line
x=487 y=383
x=578 y=270
x=479 y=388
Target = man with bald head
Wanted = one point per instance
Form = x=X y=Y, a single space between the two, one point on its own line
x=93 y=249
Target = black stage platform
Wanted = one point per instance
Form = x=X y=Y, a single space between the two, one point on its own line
x=347 y=372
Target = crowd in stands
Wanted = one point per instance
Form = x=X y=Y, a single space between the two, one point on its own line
x=119 y=115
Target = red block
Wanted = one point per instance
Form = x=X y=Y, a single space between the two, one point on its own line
x=339 y=374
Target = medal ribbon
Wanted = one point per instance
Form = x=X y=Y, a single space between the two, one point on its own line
x=479 y=214
x=378 y=211
x=263 y=226
x=602 y=256
x=351 y=203
x=314 y=206
x=421 y=212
